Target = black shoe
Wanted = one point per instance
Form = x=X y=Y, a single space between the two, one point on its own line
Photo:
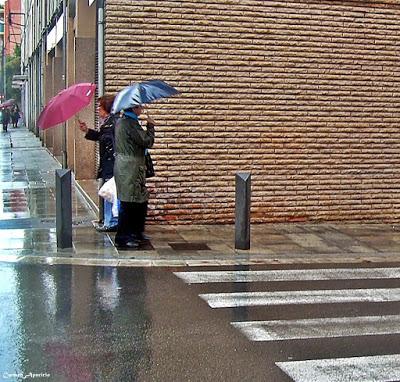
x=105 y=228
x=129 y=245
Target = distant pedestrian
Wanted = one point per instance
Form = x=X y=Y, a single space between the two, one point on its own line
x=106 y=139
x=5 y=118
x=130 y=176
x=15 y=115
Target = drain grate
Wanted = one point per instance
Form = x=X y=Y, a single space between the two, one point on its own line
x=187 y=246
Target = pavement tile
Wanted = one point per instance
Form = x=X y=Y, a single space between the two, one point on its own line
x=220 y=247
x=359 y=249
x=289 y=248
x=292 y=228
x=166 y=251
x=255 y=248
x=165 y=236
x=270 y=239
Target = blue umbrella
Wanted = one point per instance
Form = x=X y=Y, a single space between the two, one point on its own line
x=141 y=93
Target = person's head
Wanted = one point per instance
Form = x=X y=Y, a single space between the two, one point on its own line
x=105 y=105
x=138 y=109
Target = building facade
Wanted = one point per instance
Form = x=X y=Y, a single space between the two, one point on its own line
x=51 y=66
x=302 y=94
x=3 y=58
x=13 y=25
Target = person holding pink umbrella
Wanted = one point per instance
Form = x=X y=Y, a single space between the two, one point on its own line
x=105 y=137
x=66 y=104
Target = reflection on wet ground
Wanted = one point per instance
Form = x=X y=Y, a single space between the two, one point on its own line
x=27 y=202
x=84 y=324
x=73 y=324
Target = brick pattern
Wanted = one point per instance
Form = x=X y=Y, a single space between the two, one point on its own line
x=303 y=94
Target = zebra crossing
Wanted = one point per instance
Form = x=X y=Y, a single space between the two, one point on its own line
x=373 y=368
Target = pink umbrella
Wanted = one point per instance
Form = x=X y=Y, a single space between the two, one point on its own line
x=7 y=103
x=66 y=104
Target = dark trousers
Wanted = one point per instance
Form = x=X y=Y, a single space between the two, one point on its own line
x=131 y=221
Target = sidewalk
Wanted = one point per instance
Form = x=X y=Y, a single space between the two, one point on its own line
x=28 y=235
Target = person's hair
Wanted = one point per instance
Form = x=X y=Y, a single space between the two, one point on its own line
x=106 y=102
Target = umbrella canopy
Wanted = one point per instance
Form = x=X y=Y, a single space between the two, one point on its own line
x=7 y=103
x=66 y=104
x=141 y=93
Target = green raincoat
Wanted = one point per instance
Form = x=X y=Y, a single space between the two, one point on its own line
x=131 y=140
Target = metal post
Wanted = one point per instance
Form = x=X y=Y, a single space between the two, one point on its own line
x=64 y=63
x=242 y=210
x=63 y=209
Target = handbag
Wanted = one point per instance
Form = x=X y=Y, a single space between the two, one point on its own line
x=149 y=165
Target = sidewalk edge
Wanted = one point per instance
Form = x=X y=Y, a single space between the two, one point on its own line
x=86 y=196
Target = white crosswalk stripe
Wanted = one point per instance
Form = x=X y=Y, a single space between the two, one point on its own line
x=234 y=300
x=372 y=368
x=383 y=368
x=289 y=275
x=279 y=330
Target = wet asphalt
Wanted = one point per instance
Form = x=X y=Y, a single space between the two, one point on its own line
x=74 y=323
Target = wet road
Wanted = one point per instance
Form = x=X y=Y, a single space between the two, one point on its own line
x=72 y=323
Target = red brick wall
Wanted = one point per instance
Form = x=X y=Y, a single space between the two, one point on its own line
x=303 y=94
x=13 y=30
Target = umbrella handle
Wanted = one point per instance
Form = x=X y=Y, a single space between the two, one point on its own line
x=148 y=119
x=83 y=126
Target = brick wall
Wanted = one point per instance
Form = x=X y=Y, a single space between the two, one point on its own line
x=304 y=94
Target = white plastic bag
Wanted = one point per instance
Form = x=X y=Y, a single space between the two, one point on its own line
x=108 y=191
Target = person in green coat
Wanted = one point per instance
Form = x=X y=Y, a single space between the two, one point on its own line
x=131 y=142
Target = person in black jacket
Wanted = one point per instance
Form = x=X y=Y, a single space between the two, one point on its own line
x=15 y=115
x=105 y=137
x=5 y=118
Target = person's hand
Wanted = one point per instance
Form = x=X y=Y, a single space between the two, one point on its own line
x=148 y=119
x=82 y=126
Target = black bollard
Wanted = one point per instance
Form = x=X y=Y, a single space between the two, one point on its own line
x=242 y=210
x=63 y=208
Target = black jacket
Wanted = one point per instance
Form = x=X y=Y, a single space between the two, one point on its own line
x=106 y=139
x=6 y=116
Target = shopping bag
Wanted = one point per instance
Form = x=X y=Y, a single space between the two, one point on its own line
x=108 y=191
